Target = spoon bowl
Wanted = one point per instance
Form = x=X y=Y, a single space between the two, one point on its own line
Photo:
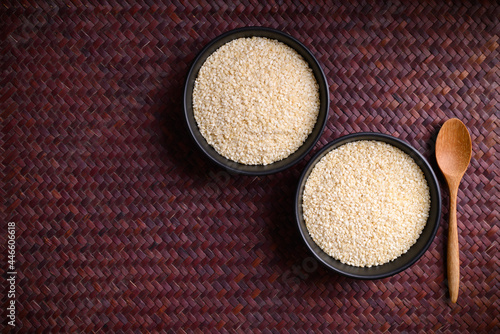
x=453 y=154
x=453 y=148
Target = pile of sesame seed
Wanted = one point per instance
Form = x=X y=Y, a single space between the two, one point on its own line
x=366 y=203
x=255 y=100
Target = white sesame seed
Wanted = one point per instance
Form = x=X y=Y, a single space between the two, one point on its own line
x=366 y=203
x=255 y=100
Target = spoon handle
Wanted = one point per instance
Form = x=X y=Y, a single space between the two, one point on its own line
x=453 y=258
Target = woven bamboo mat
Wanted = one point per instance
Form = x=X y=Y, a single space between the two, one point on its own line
x=121 y=224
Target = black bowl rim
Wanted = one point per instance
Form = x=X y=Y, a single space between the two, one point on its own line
x=268 y=170
x=368 y=136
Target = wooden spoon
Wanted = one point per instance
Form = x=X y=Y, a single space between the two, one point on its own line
x=453 y=153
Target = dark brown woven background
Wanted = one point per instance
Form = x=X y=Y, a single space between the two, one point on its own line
x=123 y=226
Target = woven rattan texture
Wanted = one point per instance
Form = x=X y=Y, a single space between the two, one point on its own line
x=122 y=225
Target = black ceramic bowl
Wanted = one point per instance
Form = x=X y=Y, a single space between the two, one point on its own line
x=295 y=157
x=405 y=260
